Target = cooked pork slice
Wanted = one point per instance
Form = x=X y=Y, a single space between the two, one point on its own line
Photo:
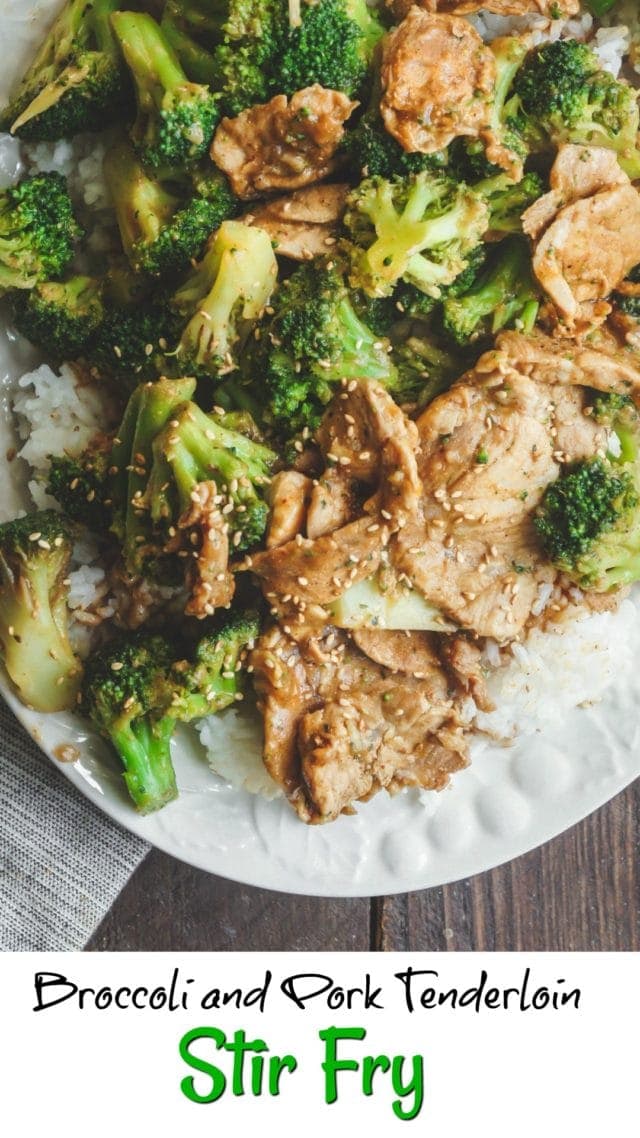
x=357 y=424
x=319 y=570
x=598 y=361
x=289 y=494
x=587 y=230
x=283 y=144
x=587 y=251
x=331 y=503
x=437 y=81
x=489 y=450
x=409 y=652
x=211 y=584
x=551 y=8
x=339 y=727
x=305 y=224
x=465 y=661
x=578 y=172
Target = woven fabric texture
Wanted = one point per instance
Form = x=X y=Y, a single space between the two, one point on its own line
x=62 y=862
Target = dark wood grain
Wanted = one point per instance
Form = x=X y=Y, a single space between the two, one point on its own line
x=580 y=892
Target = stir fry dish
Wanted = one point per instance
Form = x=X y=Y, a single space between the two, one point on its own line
x=361 y=335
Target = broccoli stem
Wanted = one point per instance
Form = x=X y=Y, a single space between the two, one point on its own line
x=148 y=411
x=143 y=207
x=36 y=650
x=155 y=67
x=198 y=63
x=503 y=293
x=144 y=749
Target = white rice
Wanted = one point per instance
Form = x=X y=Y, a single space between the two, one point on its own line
x=56 y=414
x=233 y=742
x=555 y=672
x=610 y=44
x=626 y=12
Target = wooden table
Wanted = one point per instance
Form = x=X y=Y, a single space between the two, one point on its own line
x=578 y=892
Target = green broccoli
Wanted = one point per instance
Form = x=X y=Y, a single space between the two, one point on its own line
x=250 y=50
x=250 y=37
x=213 y=679
x=176 y=118
x=163 y=232
x=60 y=316
x=504 y=294
x=628 y=303
x=331 y=45
x=76 y=82
x=196 y=448
x=150 y=408
x=134 y=342
x=223 y=299
x=562 y=89
x=311 y=340
x=508 y=138
x=35 y=552
x=589 y=519
x=507 y=200
x=419 y=229
x=374 y=153
x=79 y=485
x=125 y=694
x=37 y=231
x=193 y=28
x=425 y=367
x=410 y=303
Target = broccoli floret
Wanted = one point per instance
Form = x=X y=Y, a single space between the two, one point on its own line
x=162 y=232
x=35 y=552
x=507 y=200
x=425 y=368
x=76 y=82
x=149 y=409
x=627 y=304
x=374 y=153
x=243 y=60
x=589 y=519
x=312 y=340
x=125 y=694
x=213 y=679
x=223 y=299
x=505 y=293
x=419 y=229
x=176 y=118
x=60 y=316
x=610 y=407
x=279 y=47
x=197 y=448
x=410 y=302
x=193 y=29
x=134 y=342
x=331 y=45
x=509 y=53
x=79 y=485
x=562 y=89
x=37 y=231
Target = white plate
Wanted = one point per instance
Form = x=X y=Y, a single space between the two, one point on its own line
x=507 y=802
